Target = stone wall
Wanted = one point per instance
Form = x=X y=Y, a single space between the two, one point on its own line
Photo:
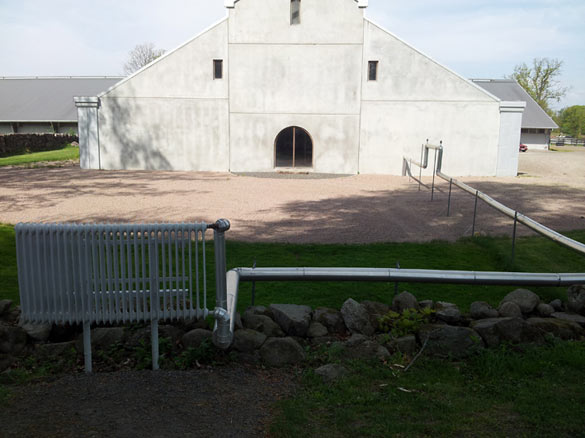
x=283 y=334
x=14 y=144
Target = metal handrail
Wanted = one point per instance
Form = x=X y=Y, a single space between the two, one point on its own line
x=390 y=275
x=517 y=216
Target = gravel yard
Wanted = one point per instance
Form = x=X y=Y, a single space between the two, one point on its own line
x=285 y=208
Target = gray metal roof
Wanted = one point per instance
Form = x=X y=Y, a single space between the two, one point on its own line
x=509 y=90
x=47 y=99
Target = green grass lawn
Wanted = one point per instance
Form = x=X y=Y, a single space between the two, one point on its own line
x=537 y=392
x=66 y=153
x=533 y=254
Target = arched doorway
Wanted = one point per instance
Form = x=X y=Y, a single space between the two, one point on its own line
x=293 y=148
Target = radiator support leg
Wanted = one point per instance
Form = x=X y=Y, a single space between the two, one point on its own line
x=154 y=341
x=87 y=345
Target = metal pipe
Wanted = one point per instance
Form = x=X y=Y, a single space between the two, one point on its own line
x=523 y=219
x=222 y=335
x=422 y=148
x=449 y=200
x=408 y=275
x=234 y=276
x=434 y=173
x=514 y=236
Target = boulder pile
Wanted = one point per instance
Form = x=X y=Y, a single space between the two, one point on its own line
x=281 y=334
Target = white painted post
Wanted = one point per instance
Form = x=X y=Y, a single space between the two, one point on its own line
x=87 y=116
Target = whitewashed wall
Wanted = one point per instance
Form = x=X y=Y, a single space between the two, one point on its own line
x=171 y=115
x=414 y=99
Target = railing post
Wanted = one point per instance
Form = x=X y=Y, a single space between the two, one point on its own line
x=396 y=283
x=474 y=214
x=514 y=236
x=222 y=334
x=434 y=172
x=254 y=285
x=449 y=200
x=422 y=150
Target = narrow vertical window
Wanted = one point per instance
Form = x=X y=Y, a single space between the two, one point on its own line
x=295 y=11
x=372 y=70
x=217 y=68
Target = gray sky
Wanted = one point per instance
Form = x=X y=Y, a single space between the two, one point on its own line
x=475 y=38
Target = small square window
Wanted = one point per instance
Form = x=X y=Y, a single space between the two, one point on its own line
x=295 y=11
x=372 y=70
x=217 y=68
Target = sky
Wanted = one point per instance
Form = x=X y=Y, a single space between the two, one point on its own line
x=475 y=38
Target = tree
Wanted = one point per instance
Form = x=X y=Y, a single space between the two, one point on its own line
x=140 y=56
x=540 y=80
x=573 y=120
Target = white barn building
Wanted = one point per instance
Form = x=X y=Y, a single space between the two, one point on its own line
x=310 y=85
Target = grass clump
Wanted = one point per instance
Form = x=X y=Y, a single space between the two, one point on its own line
x=406 y=323
x=66 y=153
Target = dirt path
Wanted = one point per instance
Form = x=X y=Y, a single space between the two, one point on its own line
x=230 y=401
x=358 y=208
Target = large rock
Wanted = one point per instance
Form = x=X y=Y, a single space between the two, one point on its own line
x=293 y=319
x=356 y=318
x=494 y=331
x=247 y=340
x=103 y=338
x=194 y=338
x=572 y=317
x=375 y=311
x=262 y=324
x=5 y=307
x=482 y=310
x=37 y=332
x=405 y=345
x=510 y=310
x=330 y=318
x=278 y=352
x=5 y=361
x=317 y=330
x=426 y=304
x=12 y=339
x=259 y=310
x=526 y=300
x=55 y=351
x=545 y=310
x=576 y=299
x=449 y=341
x=403 y=301
x=331 y=372
x=447 y=312
x=559 y=328
x=557 y=305
x=361 y=347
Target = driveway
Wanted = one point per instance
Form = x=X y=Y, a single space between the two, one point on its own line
x=350 y=209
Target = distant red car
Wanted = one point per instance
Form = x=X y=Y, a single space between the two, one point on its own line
x=523 y=148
